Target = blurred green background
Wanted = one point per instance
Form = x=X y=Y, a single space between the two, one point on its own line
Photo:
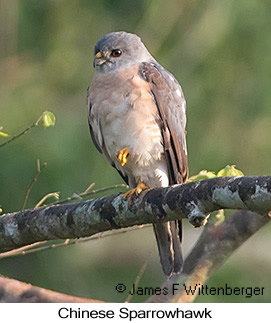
x=220 y=51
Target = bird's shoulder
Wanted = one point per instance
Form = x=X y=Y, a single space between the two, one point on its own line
x=166 y=90
x=161 y=79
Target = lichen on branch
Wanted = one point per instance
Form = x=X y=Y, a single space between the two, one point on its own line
x=193 y=201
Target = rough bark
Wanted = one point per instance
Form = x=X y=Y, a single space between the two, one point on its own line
x=192 y=201
x=215 y=245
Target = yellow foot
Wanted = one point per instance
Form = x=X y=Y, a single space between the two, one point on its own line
x=122 y=156
x=137 y=190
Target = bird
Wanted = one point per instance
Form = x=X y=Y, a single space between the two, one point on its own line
x=137 y=119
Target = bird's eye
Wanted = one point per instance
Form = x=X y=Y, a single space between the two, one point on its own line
x=116 y=52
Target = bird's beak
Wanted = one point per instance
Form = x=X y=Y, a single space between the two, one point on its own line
x=99 y=59
x=99 y=55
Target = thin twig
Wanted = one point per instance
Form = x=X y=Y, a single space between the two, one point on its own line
x=21 y=251
x=54 y=194
x=32 y=248
x=87 y=193
x=89 y=188
x=139 y=276
x=39 y=169
x=24 y=131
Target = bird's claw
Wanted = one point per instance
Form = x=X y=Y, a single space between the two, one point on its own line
x=137 y=190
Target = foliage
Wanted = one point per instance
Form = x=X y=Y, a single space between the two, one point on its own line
x=48 y=119
x=229 y=170
x=3 y=134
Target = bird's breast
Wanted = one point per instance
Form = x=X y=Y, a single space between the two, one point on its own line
x=124 y=112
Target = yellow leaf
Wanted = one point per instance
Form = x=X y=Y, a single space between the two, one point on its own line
x=3 y=134
x=203 y=174
x=229 y=170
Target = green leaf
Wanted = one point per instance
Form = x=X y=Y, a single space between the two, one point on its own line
x=3 y=134
x=203 y=174
x=48 y=119
x=230 y=170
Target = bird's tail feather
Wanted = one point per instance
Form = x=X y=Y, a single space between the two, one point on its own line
x=169 y=246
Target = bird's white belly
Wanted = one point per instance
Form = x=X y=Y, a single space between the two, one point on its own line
x=138 y=132
x=134 y=130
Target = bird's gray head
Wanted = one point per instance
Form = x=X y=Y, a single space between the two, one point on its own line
x=119 y=49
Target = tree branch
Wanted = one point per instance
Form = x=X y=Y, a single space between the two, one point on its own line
x=192 y=201
x=14 y=291
x=213 y=248
x=215 y=245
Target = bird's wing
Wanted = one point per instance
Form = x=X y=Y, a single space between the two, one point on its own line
x=171 y=106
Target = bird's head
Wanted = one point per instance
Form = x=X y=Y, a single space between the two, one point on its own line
x=118 y=49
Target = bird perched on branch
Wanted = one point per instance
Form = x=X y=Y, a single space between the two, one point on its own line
x=137 y=118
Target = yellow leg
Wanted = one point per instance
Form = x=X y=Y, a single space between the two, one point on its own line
x=122 y=156
x=137 y=190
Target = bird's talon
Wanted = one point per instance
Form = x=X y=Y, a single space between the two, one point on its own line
x=129 y=193
x=122 y=156
x=137 y=190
